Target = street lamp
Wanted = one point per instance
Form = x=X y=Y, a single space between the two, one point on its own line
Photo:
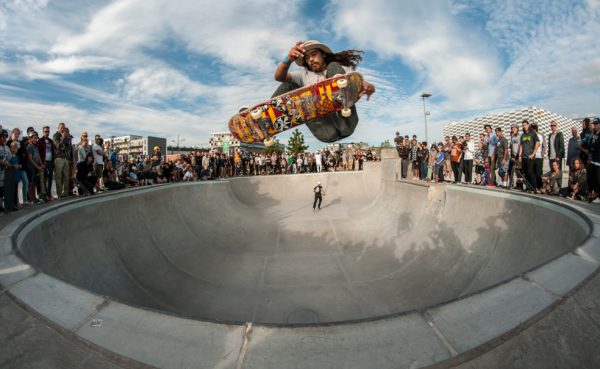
x=425 y=95
x=177 y=143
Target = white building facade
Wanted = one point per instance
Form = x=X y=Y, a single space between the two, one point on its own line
x=137 y=147
x=535 y=115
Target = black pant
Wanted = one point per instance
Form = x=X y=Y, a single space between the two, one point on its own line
x=319 y=198
x=49 y=176
x=538 y=164
x=405 y=162
x=529 y=172
x=511 y=169
x=10 y=188
x=468 y=170
x=593 y=179
x=456 y=171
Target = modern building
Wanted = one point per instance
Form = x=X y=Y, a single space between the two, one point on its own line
x=138 y=147
x=535 y=115
x=223 y=141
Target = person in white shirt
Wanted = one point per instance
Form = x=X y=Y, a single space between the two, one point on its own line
x=98 y=152
x=468 y=156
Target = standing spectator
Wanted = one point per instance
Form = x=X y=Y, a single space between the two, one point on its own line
x=98 y=152
x=11 y=179
x=414 y=158
x=404 y=153
x=469 y=155
x=35 y=168
x=490 y=143
x=556 y=146
x=4 y=167
x=319 y=161
x=538 y=164
x=573 y=147
x=83 y=149
x=46 y=148
x=530 y=144
x=515 y=141
x=479 y=159
x=432 y=174
x=502 y=157
x=62 y=161
x=440 y=161
x=593 y=169
x=397 y=141
x=455 y=156
x=423 y=161
x=22 y=163
x=447 y=162
x=586 y=137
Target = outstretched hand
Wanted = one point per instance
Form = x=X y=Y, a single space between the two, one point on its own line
x=296 y=52
x=367 y=89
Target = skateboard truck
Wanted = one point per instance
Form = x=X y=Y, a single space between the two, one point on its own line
x=256 y=114
x=342 y=84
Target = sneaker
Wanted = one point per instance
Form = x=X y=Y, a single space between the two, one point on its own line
x=597 y=201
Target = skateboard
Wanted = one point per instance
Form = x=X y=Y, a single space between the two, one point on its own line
x=263 y=121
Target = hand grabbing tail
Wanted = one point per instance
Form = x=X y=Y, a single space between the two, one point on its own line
x=367 y=89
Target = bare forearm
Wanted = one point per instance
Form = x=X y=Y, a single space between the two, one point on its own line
x=281 y=73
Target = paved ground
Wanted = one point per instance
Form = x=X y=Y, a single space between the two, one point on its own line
x=567 y=337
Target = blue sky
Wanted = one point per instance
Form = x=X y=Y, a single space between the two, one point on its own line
x=179 y=67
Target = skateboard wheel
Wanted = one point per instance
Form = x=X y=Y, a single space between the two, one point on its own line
x=342 y=83
x=269 y=141
x=256 y=114
x=346 y=112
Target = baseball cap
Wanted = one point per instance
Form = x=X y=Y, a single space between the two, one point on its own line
x=596 y=121
x=4 y=133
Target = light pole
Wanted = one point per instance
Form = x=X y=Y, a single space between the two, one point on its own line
x=425 y=95
x=177 y=143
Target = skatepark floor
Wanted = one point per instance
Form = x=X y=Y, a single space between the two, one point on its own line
x=567 y=337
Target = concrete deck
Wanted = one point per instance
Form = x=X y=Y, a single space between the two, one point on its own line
x=242 y=274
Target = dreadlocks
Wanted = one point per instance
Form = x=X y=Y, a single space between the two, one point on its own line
x=347 y=58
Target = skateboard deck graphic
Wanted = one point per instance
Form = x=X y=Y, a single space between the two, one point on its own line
x=278 y=114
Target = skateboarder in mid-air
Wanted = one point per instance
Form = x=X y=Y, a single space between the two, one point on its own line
x=319 y=193
x=321 y=63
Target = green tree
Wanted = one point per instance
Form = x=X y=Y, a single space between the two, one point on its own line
x=296 y=143
x=386 y=143
x=276 y=147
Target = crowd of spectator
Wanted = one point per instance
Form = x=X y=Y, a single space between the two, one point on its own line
x=514 y=160
x=38 y=164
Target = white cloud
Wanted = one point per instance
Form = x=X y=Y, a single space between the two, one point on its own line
x=153 y=84
x=218 y=28
x=451 y=60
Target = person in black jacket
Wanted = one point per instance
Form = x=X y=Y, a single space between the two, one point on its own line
x=85 y=173
x=319 y=192
x=556 y=146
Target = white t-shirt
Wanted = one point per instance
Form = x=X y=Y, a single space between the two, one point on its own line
x=304 y=77
x=470 y=151
x=48 y=149
x=98 y=158
x=539 y=154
